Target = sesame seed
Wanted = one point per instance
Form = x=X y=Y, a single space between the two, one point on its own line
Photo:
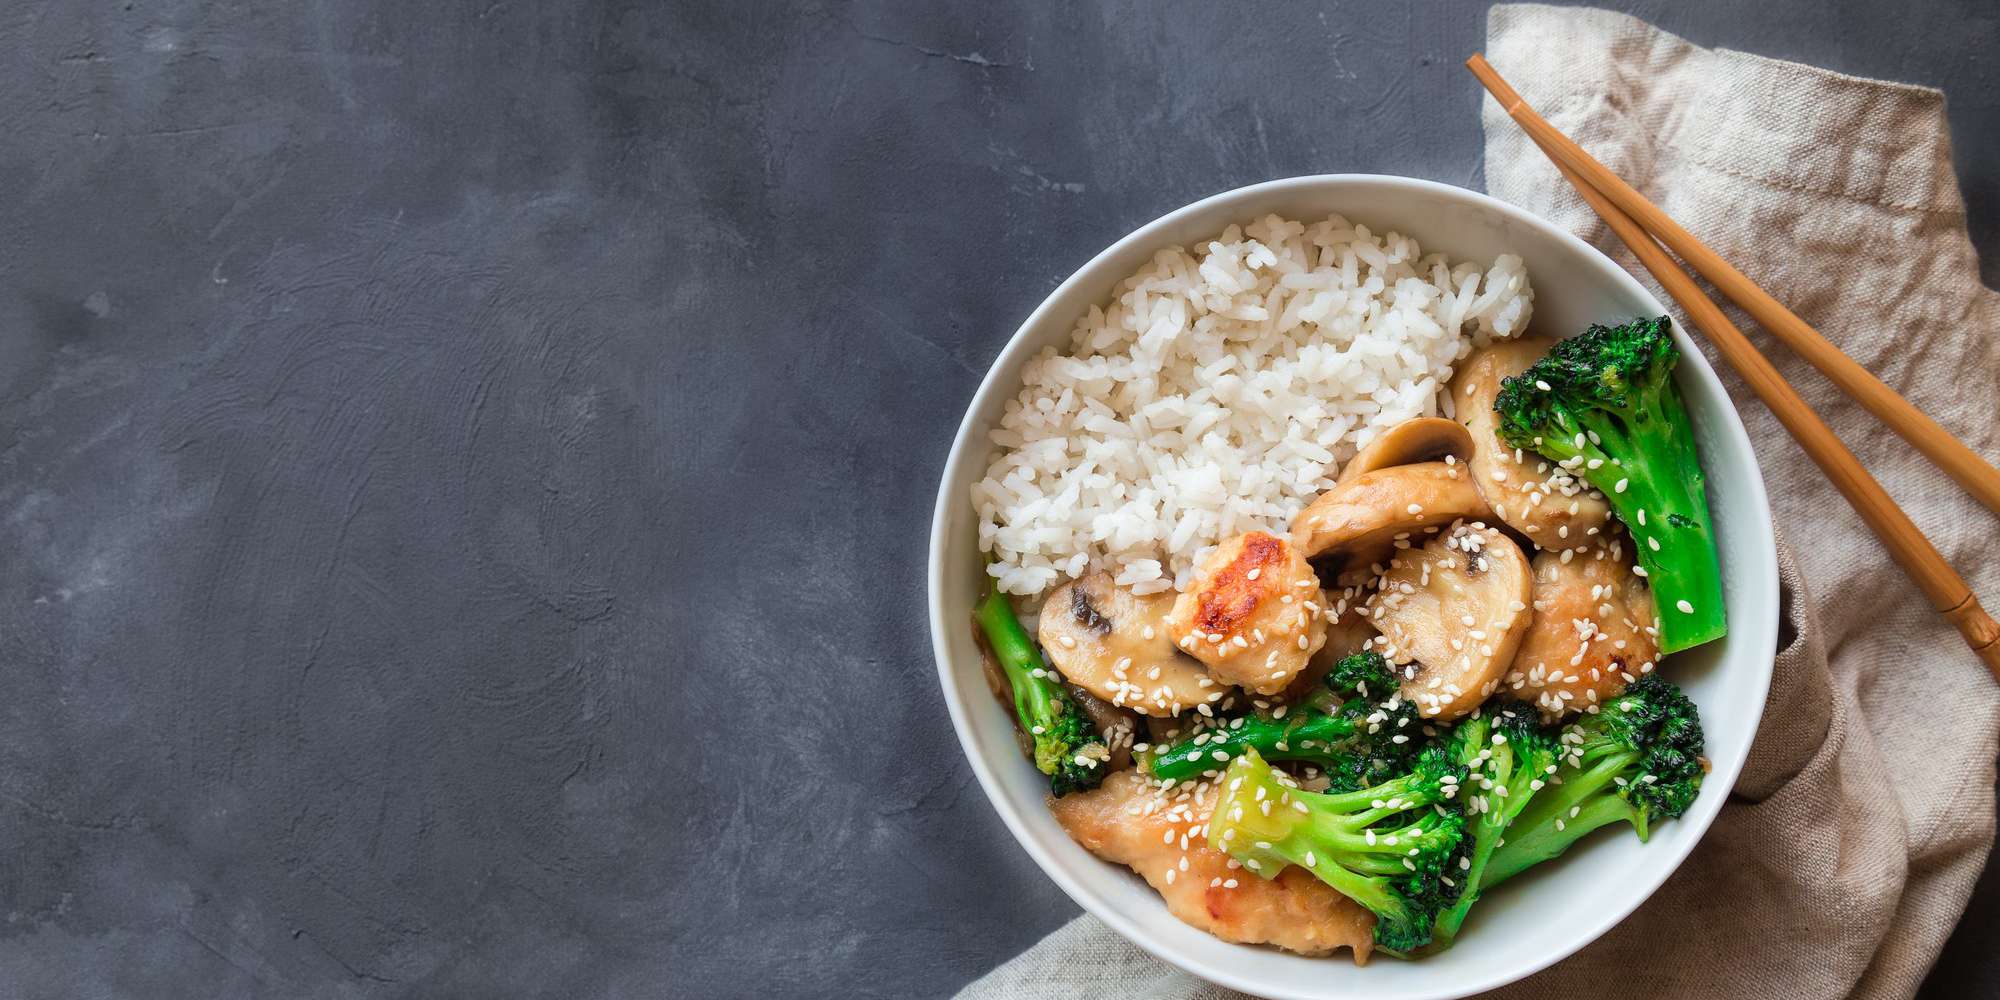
x=1619 y=487
x=1542 y=385
x=1686 y=608
x=1254 y=573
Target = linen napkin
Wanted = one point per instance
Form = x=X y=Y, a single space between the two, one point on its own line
x=1854 y=836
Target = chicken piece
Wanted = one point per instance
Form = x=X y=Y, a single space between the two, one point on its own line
x=1360 y=522
x=1117 y=645
x=1454 y=611
x=1251 y=613
x=1421 y=439
x=1593 y=630
x=1130 y=820
x=1528 y=493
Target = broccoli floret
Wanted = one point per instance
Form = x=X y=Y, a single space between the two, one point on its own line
x=1067 y=747
x=1388 y=847
x=1510 y=757
x=1390 y=732
x=1342 y=728
x=1637 y=760
x=1604 y=406
x=1366 y=674
x=1302 y=733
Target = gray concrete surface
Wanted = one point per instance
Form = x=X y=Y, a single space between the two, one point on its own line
x=465 y=466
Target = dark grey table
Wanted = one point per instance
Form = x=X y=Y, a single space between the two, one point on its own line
x=465 y=467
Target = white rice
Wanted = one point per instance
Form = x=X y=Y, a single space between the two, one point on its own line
x=1221 y=390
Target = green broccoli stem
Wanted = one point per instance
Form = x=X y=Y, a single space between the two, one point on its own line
x=1305 y=736
x=1517 y=768
x=1067 y=747
x=1547 y=828
x=1264 y=821
x=1038 y=699
x=1604 y=405
x=1485 y=833
x=1669 y=507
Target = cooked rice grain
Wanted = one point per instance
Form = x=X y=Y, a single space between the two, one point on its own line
x=1220 y=390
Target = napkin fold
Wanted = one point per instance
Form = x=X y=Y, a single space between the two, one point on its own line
x=1861 y=821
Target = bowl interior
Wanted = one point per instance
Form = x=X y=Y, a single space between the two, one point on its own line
x=1545 y=914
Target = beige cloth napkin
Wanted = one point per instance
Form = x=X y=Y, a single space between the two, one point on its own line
x=1854 y=836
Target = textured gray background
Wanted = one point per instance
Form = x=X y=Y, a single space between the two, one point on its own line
x=465 y=467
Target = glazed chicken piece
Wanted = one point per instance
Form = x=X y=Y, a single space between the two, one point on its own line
x=1527 y=492
x=1130 y=820
x=1454 y=612
x=1116 y=645
x=1592 y=632
x=1251 y=613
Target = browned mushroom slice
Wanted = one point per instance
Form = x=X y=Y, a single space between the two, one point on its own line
x=1454 y=611
x=1361 y=521
x=1251 y=612
x=1527 y=492
x=1424 y=439
x=1592 y=632
x=1115 y=644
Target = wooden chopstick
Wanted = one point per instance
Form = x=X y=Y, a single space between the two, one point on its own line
x=1962 y=464
x=1947 y=591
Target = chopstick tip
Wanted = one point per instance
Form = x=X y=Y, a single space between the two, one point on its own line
x=1490 y=78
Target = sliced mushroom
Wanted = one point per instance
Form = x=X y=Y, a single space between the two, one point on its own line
x=1592 y=632
x=1455 y=611
x=1361 y=521
x=1116 y=645
x=1528 y=493
x=1251 y=613
x=1423 y=439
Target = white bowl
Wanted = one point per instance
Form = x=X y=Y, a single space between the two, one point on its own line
x=1544 y=915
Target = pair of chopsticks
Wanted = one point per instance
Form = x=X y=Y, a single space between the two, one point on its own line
x=1643 y=227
